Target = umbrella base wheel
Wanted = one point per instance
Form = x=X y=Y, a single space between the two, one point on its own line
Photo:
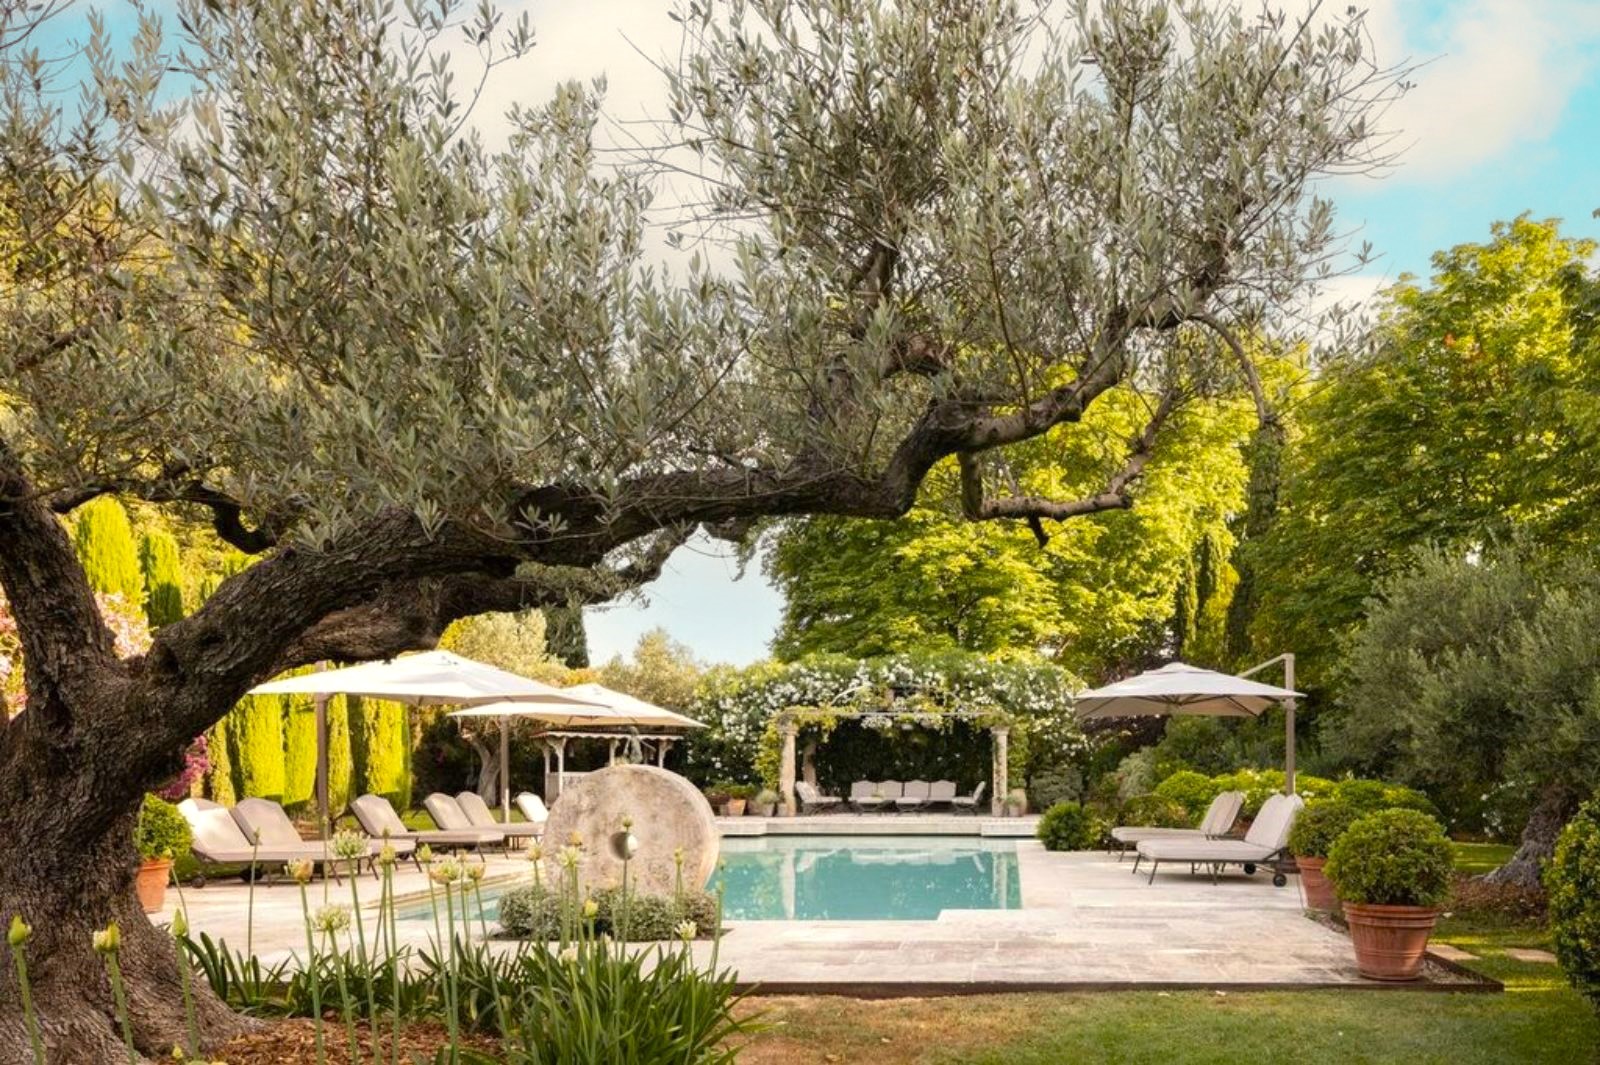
x=1249 y=868
x=1278 y=880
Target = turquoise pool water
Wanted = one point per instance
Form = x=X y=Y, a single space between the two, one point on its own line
x=847 y=878
x=865 y=878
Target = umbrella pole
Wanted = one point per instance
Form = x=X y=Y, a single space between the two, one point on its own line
x=322 y=761
x=1288 y=726
x=505 y=769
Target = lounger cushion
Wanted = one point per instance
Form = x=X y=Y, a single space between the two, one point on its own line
x=215 y=831
x=862 y=789
x=377 y=817
x=1222 y=813
x=942 y=790
x=1205 y=850
x=1138 y=833
x=449 y=816
x=533 y=808
x=266 y=820
x=474 y=807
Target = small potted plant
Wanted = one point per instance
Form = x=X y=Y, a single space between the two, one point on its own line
x=739 y=796
x=765 y=803
x=1016 y=803
x=717 y=796
x=161 y=836
x=1315 y=830
x=1391 y=870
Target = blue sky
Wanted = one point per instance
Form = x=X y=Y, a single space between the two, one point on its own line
x=1504 y=118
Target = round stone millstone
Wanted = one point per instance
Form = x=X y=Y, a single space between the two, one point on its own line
x=668 y=813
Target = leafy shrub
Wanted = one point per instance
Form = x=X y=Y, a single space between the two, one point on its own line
x=1068 y=827
x=1369 y=796
x=1392 y=858
x=1193 y=791
x=1059 y=783
x=1135 y=775
x=161 y=832
x=1155 y=811
x=534 y=912
x=1572 y=880
x=1259 y=785
x=1319 y=825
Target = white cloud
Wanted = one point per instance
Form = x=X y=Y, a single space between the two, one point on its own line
x=1494 y=75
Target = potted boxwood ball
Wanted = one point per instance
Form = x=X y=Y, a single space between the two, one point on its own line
x=1319 y=825
x=766 y=802
x=161 y=836
x=1391 y=870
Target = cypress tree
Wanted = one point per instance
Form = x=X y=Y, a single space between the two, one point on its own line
x=104 y=540
x=380 y=749
x=219 y=781
x=163 y=578
x=340 y=776
x=256 y=728
x=564 y=636
x=299 y=751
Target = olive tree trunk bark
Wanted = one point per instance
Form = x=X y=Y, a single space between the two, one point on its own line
x=1556 y=805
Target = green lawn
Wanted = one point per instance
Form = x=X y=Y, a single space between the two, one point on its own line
x=1476 y=858
x=1538 y=1019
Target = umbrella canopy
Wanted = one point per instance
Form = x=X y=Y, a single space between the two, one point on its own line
x=433 y=678
x=631 y=710
x=1180 y=688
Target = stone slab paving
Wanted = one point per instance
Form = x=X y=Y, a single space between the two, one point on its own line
x=1085 y=921
x=1530 y=954
x=1449 y=953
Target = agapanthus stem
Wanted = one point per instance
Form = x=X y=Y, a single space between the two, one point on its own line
x=25 y=992
x=119 y=996
x=311 y=971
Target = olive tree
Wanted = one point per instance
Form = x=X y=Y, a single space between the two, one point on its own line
x=419 y=377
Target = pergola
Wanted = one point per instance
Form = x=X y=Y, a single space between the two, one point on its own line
x=555 y=742
x=999 y=773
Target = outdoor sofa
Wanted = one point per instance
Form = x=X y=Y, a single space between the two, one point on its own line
x=1265 y=843
x=1219 y=818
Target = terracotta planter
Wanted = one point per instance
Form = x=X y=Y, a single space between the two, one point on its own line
x=762 y=809
x=736 y=807
x=1390 y=940
x=152 y=883
x=1319 y=891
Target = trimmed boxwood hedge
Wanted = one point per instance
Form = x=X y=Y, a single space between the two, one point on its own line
x=1319 y=825
x=1066 y=826
x=1572 y=880
x=1154 y=811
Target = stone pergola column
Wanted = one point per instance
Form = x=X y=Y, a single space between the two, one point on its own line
x=1001 y=770
x=786 y=766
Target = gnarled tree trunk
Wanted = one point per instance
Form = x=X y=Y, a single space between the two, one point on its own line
x=1556 y=805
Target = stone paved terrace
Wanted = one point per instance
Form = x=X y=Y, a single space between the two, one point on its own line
x=1085 y=922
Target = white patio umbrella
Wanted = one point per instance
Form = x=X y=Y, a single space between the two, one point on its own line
x=601 y=706
x=432 y=678
x=1179 y=688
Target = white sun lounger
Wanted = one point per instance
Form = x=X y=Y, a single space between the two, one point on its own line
x=1265 y=843
x=1219 y=818
x=970 y=803
x=218 y=840
x=480 y=816
x=450 y=817
x=813 y=801
x=533 y=808
x=378 y=820
x=913 y=797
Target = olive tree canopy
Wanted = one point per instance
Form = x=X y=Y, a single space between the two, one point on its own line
x=271 y=275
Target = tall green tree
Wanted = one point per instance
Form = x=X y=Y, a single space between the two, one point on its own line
x=163 y=577
x=951 y=229
x=103 y=536
x=1475 y=416
x=565 y=636
x=661 y=670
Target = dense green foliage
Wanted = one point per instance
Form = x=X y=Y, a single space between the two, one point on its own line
x=1476 y=416
x=103 y=537
x=299 y=751
x=1191 y=790
x=1572 y=880
x=1155 y=811
x=1069 y=826
x=161 y=831
x=565 y=637
x=1391 y=858
x=1090 y=596
x=920 y=716
x=163 y=577
x=1319 y=825
x=1474 y=678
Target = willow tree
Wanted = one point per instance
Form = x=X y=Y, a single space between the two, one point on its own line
x=420 y=377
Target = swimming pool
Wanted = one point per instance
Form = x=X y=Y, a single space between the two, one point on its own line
x=865 y=878
x=846 y=878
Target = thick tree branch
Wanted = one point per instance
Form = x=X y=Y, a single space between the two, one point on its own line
x=227 y=515
x=1117 y=494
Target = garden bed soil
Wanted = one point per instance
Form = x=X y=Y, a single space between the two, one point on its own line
x=290 y=1042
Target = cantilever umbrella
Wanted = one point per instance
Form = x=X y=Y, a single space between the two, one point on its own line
x=1179 y=688
x=601 y=706
x=433 y=678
